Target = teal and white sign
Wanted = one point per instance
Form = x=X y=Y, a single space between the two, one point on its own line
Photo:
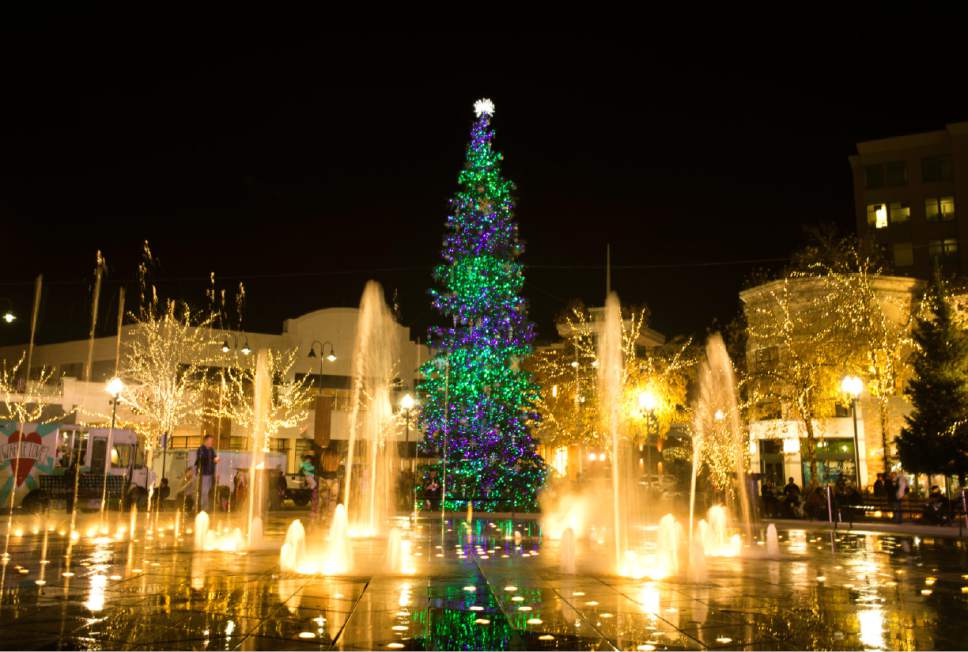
x=24 y=456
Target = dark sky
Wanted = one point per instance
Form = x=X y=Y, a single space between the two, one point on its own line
x=304 y=165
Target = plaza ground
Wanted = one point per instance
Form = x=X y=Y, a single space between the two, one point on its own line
x=477 y=589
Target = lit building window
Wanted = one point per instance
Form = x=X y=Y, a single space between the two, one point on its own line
x=903 y=254
x=877 y=215
x=936 y=168
x=899 y=211
x=939 y=209
x=946 y=248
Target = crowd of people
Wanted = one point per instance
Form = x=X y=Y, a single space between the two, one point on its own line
x=892 y=490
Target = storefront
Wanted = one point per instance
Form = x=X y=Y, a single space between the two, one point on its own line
x=834 y=460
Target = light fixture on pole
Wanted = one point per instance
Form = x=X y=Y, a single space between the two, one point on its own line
x=331 y=356
x=244 y=350
x=8 y=315
x=647 y=404
x=853 y=386
x=114 y=388
x=407 y=403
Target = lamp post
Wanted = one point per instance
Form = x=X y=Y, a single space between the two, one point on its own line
x=330 y=357
x=407 y=403
x=245 y=350
x=853 y=386
x=114 y=387
x=647 y=404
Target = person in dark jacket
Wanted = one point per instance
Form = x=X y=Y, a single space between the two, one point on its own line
x=205 y=460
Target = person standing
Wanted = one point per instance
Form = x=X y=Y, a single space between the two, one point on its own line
x=879 y=486
x=329 y=481
x=308 y=470
x=900 y=484
x=205 y=461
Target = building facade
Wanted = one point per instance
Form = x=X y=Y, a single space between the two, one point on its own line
x=909 y=195
x=778 y=438
x=329 y=334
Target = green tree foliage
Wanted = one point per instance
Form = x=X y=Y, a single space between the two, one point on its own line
x=935 y=439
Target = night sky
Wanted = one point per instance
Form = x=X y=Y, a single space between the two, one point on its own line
x=305 y=164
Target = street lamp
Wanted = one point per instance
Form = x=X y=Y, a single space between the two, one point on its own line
x=114 y=387
x=407 y=403
x=331 y=356
x=852 y=386
x=245 y=350
x=647 y=404
x=8 y=314
x=647 y=401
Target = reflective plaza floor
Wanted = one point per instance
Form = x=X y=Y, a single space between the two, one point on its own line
x=475 y=590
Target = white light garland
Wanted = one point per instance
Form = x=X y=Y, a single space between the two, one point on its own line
x=483 y=105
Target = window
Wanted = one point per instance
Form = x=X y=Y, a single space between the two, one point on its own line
x=879 y=175
x=874 y=176
x=900 y=212
x=903 y=254
x=895 y=173
x=939 y=209
x=946 y=248
x=877 y=216
x=936 y=168
x=280 y=444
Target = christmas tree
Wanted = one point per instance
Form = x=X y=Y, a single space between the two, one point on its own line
x=477 y=402
x=935 y=439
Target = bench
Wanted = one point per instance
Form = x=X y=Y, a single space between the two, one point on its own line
x=878 y=508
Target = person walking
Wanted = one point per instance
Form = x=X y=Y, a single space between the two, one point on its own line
x=205 y=460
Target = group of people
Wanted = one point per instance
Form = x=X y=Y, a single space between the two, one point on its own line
x=893 y=488
x=785 y=503
x=321 y=475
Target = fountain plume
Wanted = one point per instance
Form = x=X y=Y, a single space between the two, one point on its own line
x=371 y=425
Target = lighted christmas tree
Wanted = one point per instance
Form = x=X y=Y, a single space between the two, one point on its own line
x=477 y=402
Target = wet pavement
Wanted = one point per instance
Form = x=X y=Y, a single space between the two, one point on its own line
x=474 y=589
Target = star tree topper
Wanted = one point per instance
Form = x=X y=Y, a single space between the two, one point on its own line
x=482 y=106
